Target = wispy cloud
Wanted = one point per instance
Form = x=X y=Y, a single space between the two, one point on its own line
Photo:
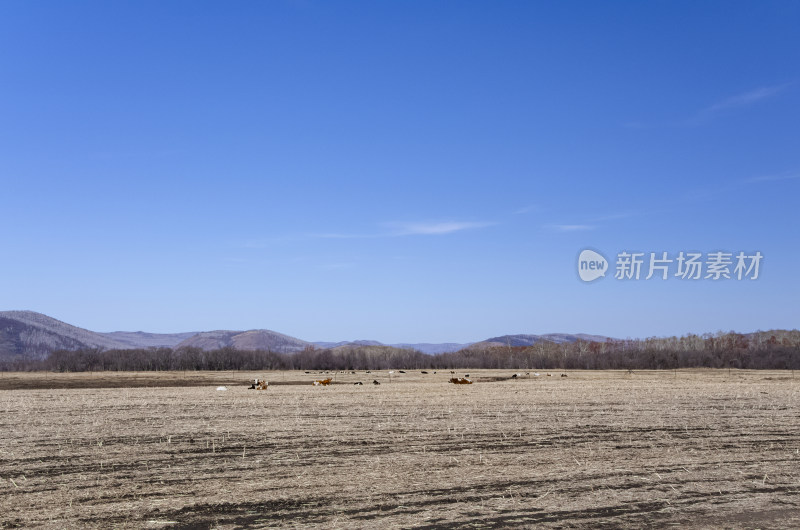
x=746 y=98
x=771 y=178
x=433 y=228
x=733 y=185
x=264 y=242
x=335 y=235
x=527 y=209
x=613 y=216
x=335 y=266
x=438 y=228
x=571 y=228
x=702 y=116
x=634 y=125
x=590 y=223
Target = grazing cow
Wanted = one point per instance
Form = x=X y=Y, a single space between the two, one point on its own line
x=259 y=385
x=460 y=381
x=452 y=372
x=358 y=383
x=564 y=375
x=548 y=375
x=514 y=376
x=367 y=372
x=375 y=382
x=402 y=371
x=466 y=375
x=423 y=372
x=322 y=382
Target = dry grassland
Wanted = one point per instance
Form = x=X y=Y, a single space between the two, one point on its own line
x=595 y=449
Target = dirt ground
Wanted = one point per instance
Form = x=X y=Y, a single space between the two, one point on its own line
x=592 y=450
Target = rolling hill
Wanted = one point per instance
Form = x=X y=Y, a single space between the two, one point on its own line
x=142 y=339
x=33 y=335
x=529 y=340
x=256 y=339
x=424 y=347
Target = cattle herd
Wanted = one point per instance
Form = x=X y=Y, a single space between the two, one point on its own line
x=262 y=384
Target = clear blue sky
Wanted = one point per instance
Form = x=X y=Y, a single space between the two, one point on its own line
x=398 y=171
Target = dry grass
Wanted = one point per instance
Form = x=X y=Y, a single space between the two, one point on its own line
x=703 y=448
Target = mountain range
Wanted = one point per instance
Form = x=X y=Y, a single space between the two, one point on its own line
x=34 y=335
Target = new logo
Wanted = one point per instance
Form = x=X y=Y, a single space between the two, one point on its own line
x=591 y=265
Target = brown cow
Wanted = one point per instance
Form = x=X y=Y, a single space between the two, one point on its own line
x=322 y=382
x=460 y=381
x=259 y=384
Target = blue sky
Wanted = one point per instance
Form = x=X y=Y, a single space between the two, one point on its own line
x=398 y=171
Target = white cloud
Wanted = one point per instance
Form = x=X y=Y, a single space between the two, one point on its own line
x=746 y=98
x=527 y=209
x=400 y=229
x=336 y=266
x=435 y=228
x=572 y=228
x=702 y=116
x=771 y=178
x=614 y=216
x=334 y=235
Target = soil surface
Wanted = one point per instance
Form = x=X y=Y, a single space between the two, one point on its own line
x=591 y=450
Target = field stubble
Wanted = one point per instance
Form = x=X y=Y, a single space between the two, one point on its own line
x=703 y=448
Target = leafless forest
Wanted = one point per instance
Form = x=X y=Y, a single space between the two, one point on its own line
x=778 y=350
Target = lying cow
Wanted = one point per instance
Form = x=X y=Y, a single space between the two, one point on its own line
x=259 y=384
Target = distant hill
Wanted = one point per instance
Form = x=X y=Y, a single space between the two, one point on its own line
x=34 y=335
x=433 y=348
x=256 y=339
x=329 y=345
x=141 y=339
x=424 y=347
x=529 y=340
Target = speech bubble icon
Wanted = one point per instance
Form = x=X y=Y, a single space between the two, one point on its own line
x=591 y=265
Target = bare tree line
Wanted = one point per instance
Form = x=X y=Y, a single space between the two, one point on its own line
x=762 y=350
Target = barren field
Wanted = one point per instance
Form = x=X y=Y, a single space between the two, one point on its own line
x=595 y=449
